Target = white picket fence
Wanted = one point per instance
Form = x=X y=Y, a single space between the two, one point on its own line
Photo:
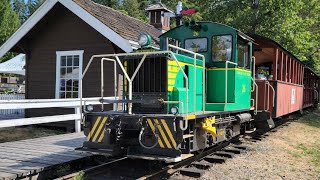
x=11 y=112
x=46 y=103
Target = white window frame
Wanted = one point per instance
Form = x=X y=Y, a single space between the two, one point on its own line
x=58 y=67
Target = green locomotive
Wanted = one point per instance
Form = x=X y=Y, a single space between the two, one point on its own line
x=192 y=93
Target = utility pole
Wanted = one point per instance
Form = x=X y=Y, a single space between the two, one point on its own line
x=178 y=13
x=255 y=7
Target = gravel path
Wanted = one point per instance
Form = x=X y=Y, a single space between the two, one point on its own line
x=288 y=153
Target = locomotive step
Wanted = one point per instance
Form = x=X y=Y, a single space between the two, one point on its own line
x=215 y=159
x=224 y=154
x=192 y=172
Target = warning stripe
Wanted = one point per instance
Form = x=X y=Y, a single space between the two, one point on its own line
x=169 y=133
x=99 y=129
x=94 y=128
x=101 y=136
x=172 y=75
x=173 y=69
x=171 y=82
x=163 y=135
x=153 y=129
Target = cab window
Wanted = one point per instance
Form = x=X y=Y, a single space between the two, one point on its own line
x=221 y=48
x=243 y=55
x=196 y=44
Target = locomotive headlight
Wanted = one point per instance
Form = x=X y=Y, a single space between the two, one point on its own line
x=144 y=40
x=89 y=107
x=174 y=110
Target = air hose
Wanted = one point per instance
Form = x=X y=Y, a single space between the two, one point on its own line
x=144 y=146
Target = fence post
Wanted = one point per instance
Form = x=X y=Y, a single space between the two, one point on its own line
x=78 y=120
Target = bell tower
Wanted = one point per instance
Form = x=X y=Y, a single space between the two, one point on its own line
x=157 y=16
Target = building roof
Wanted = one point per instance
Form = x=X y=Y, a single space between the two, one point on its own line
x=128 y=27
x=120 y=29
x=158 y=6
x=14 y=65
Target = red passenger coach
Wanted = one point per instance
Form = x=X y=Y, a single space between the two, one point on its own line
x=311 y=88
x=280 y=77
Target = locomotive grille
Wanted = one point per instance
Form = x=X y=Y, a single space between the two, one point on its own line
x=150 y=83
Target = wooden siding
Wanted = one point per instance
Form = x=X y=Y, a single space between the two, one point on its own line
x=61 y=30
x=284 y=103
x=262 y=95
x=311 y=88
x=287 y=101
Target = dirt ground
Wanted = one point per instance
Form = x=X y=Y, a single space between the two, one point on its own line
x=21 y=133
x=292 y=152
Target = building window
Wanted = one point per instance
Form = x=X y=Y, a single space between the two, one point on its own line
x=68 y=73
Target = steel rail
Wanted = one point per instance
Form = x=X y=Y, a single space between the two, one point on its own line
x=170 y=169
x=100 y=167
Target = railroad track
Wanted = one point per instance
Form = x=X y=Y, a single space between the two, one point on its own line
x=125 y=168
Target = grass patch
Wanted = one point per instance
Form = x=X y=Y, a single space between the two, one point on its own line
x=313 y=152
x=21 y=133
x=80 y=176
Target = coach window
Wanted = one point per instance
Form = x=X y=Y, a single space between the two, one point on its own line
x=221 y=48
x=243 y=55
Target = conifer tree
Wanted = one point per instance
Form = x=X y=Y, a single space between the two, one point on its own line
x=9 y=22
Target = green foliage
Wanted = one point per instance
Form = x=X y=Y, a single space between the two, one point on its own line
x=110 y=3
x=63 y=170
x=132 y=7
x=25 y=8
x=294 y=24
x=80 y=176
x=12 y=14
x=9 y=23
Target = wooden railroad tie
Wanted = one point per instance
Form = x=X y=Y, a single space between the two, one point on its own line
x=192 y=172
x=202 y=164
x=224 y=154
x=215 y=159
x=234 y=150
x=240 y=147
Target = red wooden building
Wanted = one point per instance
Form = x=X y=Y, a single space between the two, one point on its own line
x=285 y=84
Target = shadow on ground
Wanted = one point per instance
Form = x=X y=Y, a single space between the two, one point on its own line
x=311 y=118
